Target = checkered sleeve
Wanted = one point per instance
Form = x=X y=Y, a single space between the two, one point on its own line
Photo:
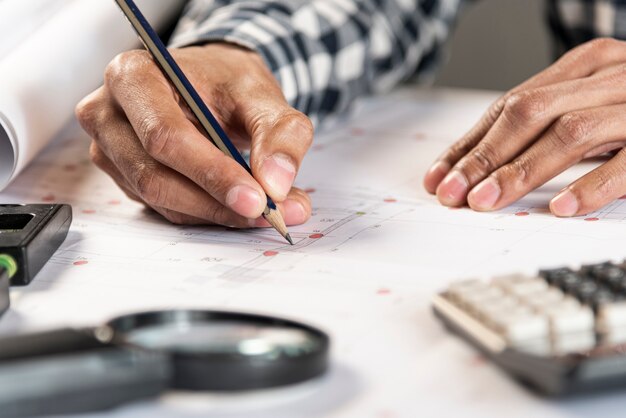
x=574 y=22
x=326 y=53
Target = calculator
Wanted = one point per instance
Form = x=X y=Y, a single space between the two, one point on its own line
x=560 y=332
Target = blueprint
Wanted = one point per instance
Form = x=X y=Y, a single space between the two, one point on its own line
x=364 y=268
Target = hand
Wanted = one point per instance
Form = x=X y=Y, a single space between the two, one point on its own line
x=573 y=110
x=148 y=141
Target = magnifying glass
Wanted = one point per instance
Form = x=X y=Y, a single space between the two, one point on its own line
x=142 y=355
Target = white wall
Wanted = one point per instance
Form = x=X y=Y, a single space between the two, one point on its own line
x=497 y=44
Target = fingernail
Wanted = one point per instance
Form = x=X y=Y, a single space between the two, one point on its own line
x=485 y=195
x=279 y=173
x=244 y=200
x=436 y=173
x=453 y=189
x=564 y=204
x=295 y=214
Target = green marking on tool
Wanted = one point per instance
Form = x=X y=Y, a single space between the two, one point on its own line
x=9 y=264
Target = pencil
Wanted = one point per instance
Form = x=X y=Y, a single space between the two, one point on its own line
x=213 y=130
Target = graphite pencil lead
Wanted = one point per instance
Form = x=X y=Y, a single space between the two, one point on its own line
x=288 y=238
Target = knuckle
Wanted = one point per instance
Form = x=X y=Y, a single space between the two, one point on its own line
x=298 y=126
x=495 y=110
x=148 y=186
x=214 y=177
x=95 y=155
x=522 y=170
x=124 y=65
x=157 y=136
x=483 y=159
x=601 y=45
x=87 y=113
x=604 y=184
x=525 y=107
x=573 y=129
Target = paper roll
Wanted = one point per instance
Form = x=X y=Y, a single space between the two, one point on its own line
x=43 y=79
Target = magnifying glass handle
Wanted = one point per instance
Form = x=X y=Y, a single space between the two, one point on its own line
x=34 y=370
x=61 y=341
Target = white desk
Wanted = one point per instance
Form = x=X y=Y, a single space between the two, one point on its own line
x=387 y=247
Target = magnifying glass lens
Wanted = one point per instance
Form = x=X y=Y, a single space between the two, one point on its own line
x=234 y=337
x=216 y=350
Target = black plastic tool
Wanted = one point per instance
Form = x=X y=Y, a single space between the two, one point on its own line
x=31 y=234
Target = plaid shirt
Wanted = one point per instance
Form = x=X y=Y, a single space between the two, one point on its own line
x=326 y=53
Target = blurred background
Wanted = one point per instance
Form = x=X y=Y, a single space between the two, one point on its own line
x=497 y=44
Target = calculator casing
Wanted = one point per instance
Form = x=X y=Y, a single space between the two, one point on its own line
x=556 y=376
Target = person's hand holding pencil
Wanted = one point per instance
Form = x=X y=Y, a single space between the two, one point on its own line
x=147 y=141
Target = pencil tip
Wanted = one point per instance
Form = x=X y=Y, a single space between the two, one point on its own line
x=288 y=237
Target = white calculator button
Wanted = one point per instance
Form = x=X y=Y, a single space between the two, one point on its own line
x=522 y=328
x=568 y=320
x=508 y=281
x=528 y=288
x=506 y=305
x=544 y=300
x=473 y=300
x=612 y=316
x=457 y=290
x=567 y=303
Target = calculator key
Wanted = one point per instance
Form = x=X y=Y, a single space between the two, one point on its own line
x=602 y=297
x=568 y=320
x=594 y=270
x=522 y=328
x=544 y=300
x=457 y=290
x=611 y=276
x=529 y=287
x=474 y=300
x=500 y=306
x=508 y=281
x=612 y=316
x=553 y=275
x=569 y=282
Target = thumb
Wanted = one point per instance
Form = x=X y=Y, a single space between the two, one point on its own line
x=280 y=136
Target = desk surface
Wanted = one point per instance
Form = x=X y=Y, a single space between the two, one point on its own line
x=364 y=268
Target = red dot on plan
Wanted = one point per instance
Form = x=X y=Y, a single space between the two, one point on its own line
x=383 y=291
x=115 y=202
x=391 y=200
x=270 y=253
x=522 y=214
x=49 y=198
x=316 y=236
x=81 y=262
x=592 y=219
x=357 y=131
x=89 y=211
